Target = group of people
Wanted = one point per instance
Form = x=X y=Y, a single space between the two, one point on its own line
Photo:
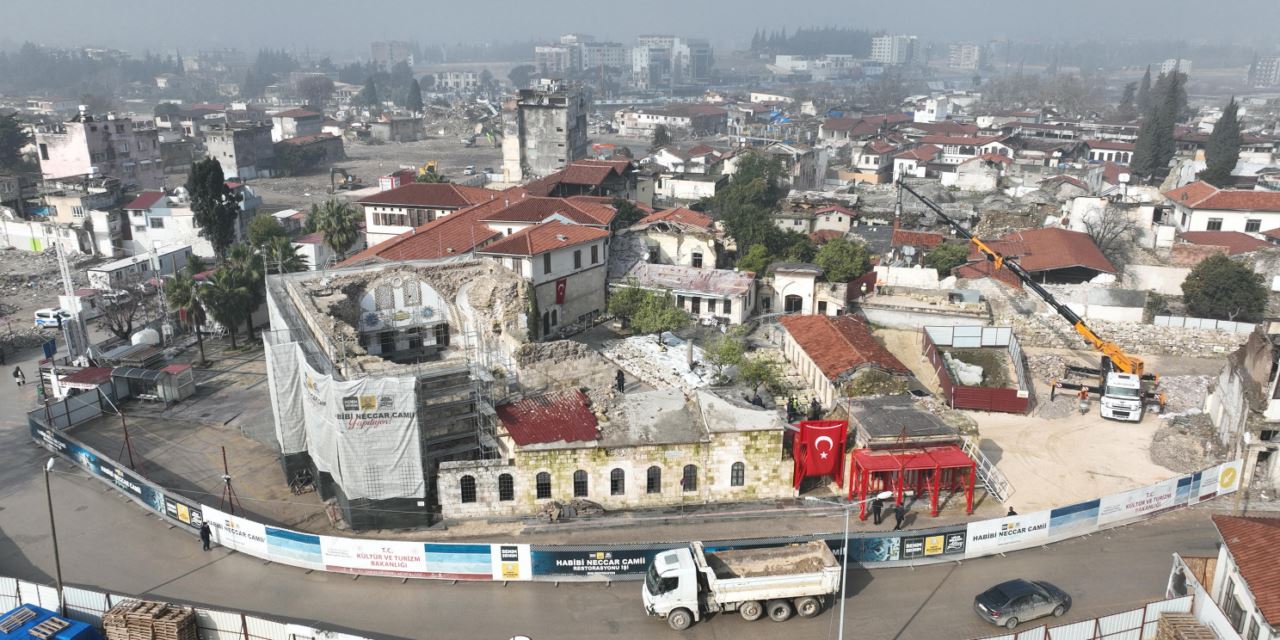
x=795 y=410
x=899 y=513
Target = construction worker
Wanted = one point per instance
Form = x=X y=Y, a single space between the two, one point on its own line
x=1083 y=397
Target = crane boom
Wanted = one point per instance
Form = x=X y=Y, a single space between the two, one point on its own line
x=1119 y=360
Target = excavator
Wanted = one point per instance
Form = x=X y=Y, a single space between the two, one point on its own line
x=1124 y=387
x=349 y=181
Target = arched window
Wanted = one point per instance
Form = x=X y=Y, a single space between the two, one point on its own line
x=793 y=304
x=468 y=486
x=543 y=484
x=653 y=480
x=689 y=481
x=506 y=487
x=617 y=482
x=737 y=474
x=579 y=484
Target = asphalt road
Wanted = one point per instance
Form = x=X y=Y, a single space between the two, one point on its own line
x=112 y=544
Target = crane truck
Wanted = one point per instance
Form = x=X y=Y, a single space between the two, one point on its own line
x=683 y=585
x=1124 y=387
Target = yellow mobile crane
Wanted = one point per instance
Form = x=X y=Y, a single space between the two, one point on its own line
x=1124 y=386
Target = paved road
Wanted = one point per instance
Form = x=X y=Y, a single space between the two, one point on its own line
x=110 y=543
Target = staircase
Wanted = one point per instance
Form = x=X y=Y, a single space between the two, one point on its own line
x=992 y=479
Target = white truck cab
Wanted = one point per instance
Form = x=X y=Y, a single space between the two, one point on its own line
x=1122 y=397
x=671 y=583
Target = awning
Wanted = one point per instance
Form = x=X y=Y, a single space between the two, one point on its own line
x=134 y=373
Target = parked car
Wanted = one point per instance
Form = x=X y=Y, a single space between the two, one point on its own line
x=116 y=297
x=50 y=317
x=1015 y=601
x=470 y=170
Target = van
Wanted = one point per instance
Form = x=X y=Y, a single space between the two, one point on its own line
x=470 y=170
x=51 y=317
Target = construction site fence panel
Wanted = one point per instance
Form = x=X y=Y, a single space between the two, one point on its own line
x=70 y=411
x=519 y=562
x=1003 y=399
x=89 y=606
x=1203 y=323
x=1134 y=624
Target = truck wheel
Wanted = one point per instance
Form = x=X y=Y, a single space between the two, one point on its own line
x=808 y=606
x=779 y=610
x=680 y=619
x=751 y=611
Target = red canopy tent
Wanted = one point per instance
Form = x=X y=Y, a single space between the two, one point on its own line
x=920 y=470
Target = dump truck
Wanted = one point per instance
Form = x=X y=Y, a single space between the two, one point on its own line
x=685 y=584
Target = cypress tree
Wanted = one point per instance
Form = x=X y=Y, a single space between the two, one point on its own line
x=1155 y=146
x=1223 y=149
x=1144 y=93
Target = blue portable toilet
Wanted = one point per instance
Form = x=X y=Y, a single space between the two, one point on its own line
x=29 y=622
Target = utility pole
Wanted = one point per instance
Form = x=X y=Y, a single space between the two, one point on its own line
x=53 y=535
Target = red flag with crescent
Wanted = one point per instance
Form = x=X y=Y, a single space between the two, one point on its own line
x=820 y=450
x=561 y=284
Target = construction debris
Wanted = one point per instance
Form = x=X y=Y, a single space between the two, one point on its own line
x=661 y=365
x=1186 y=444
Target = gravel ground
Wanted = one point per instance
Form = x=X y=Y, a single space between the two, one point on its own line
x=1186 y=444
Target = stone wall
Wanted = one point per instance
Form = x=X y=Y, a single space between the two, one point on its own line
x=766 y=475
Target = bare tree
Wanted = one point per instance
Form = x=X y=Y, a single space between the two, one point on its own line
x=1113 y=230
x=120 y=311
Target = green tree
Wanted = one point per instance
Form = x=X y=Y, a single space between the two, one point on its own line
x=661 y=137
x=214 y=206
x=1144 y=92
x=1127 y=110
x=263 y=229
x=280 y=255
x=946 y=257
x=756 y=260
x=725 y=350
x=628 y=213
x=486 y=79
x=1155 y=146
x=246 y=264
x=746 y=205
x=761 y=370
x=625 y=301
x=842 y=259
x=316 y=90
x=166 y=109
x=182 y=293
x=368 y=95
x=521 y=75
x=413 y=99
x=658 y=313
x=13 y=137
x=1222 y=288
x=227 y=300
x=339 y=223
x=1223 y=149
x=432 y=177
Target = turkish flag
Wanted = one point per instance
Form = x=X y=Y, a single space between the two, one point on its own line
x=561 y=285
x=819 y=450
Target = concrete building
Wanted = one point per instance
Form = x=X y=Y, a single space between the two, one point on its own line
x=964 y=55
x=163 y=261
x=102 y=146
x=1200 y=206
x=684 y=188
x=390 y=213
x=678 y=237
x=715 y=296
x=797 y=287
x=1182 y=65
x=69 y=200
x=544 y=129
x=1244 y=406
x=294 y=123
x=893 y=49
x=456 y=81
x=556 y=60
x=245 y=151
x=610 y=55
x=831 y=352
x=932 y=109
x=808 y=219
x=379 y=374
x=389 y=129
x=654 y=449
x=388 y=53
x=164 y=218
x=1265 y=72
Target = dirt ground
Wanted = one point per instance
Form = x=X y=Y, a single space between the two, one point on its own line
x=1057 y=462
x=906 y=346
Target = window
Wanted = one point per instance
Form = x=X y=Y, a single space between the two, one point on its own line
x=822 y=307
x=1231 y=607
x=44 y=151
x=1215 y=224
x=579 y=484
x=617 y=482
x=728 y=307
x=653 y=480
x=695 y=305
x=77 y=212
x=595 y=254
x=697 y=259
x=1252 y=225
x=737 y=474
x=468 y=486
x=577 y=258
x=506 y=488
x=543 y=483
x=689 y=480
x=546 y=263
x=508 y=230
x=795 y=222
x=1254 y=630
x=792 y=304
x=156 y=223
x=442 y=335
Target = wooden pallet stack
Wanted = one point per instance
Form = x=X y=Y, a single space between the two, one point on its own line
x=1182 y=626
x=145 y=620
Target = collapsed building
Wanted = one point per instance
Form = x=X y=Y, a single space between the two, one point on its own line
x=378 y=374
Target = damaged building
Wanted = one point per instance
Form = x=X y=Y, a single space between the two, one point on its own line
x=1244 y=406
x=379 y=374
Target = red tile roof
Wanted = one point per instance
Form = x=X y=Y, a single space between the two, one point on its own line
x=577 y=209
x=1274 y=233
x=840 y=345
x=544 y=237
x=1252 y=541
x=926 y=239
x=823 y=236
x=296 y=113
x=580 y=172
x=145 y=200
x=431 y=195
x=454 y=234
x=555 y=417
x=922 y=153
x=979 y=270
x=1075 y=182
x=1048 y=249
x=835 y=208
x=1202 y=195
x=879 y=146
x=1110 y=145
x=678 y=215
x=1235 y=241
x=310 y=238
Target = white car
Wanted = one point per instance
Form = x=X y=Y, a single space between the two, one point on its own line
x=50 y=317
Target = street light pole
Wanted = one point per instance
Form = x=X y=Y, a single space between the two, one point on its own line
x=844 y=549
x=53 y=535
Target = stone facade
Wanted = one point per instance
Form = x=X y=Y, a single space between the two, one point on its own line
x=766 y=475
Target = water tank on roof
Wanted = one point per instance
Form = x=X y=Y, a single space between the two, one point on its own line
x=146 y=336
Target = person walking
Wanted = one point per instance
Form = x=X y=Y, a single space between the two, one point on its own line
x=19 y=378
x=877 y=510
x=899 y=514
x=1011 y=512
x=205 y=535
x=620 y=381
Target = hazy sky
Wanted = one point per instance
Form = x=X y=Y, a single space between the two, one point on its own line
x=347 y=26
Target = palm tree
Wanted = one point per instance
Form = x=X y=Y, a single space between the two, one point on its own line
x=183 y=295
x=337 y=221
x=281 y=256
x=246 y=264
x=228 y=299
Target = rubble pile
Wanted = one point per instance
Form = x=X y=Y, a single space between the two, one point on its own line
x=661 y=366
x=1064 y=405
x=957 y=420
x=554 y=352
x=1184 y=395
x=31 y=280
x=1045 y=366
x=1051 y=331
x=1186 y=444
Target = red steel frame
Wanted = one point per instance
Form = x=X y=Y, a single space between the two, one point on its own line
x=919 y=470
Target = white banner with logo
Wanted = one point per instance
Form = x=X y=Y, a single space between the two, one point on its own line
x=374 y=557
x=232 y=532
x=1138 y=503
x=1004 y=534
x=511 y=562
